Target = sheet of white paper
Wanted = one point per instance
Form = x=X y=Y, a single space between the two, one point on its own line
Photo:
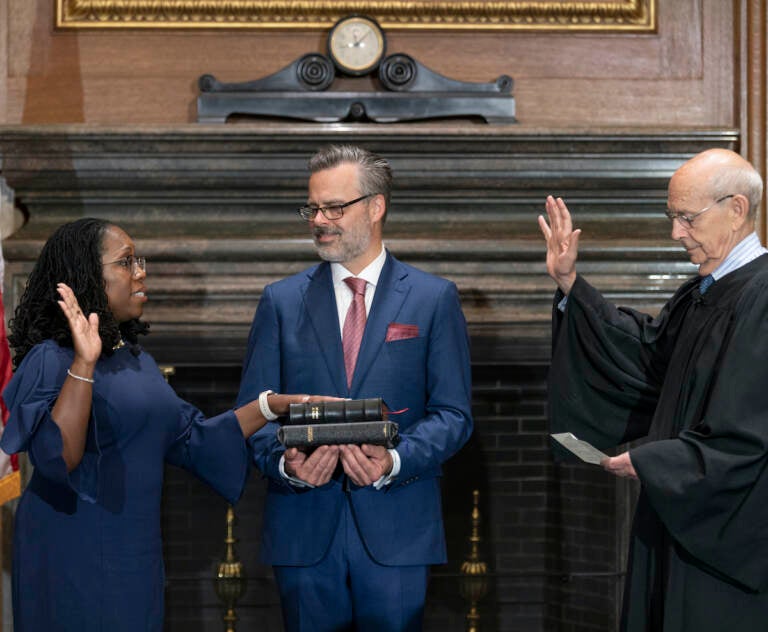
x=585 y=451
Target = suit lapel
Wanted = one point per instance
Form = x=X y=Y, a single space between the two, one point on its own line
x=320 y=307
x=391 y=291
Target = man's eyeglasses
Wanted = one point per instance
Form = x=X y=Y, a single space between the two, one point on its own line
x=334 y=211
x=134 y=264
x=686 y=219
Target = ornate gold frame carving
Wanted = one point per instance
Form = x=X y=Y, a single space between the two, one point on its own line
x=510 y=15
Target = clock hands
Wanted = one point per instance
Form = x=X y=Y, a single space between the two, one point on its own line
x=360 y=41
x=357 y=40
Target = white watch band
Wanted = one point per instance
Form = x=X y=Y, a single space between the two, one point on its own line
x=264 y=406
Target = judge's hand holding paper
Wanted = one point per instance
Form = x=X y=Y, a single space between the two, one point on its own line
x=619 y=465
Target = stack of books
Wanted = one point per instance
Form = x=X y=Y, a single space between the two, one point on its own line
x=355 y=421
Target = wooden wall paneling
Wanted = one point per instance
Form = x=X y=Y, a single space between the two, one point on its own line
x=45 y=80
x=474 y=54
x=680 y=33
x=3 y=61
x=751 y=43
x=562 y=79
x=720 y=73
x=686 y=83
x=22 y=21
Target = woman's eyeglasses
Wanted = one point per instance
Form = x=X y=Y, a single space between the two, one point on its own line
x=134 y=264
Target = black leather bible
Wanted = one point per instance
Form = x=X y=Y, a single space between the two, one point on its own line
x=312 y=435
x=345 y=410
x=355 y=421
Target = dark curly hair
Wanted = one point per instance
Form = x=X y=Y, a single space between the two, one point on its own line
x=72 y=255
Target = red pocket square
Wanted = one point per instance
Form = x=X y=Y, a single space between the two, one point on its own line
x=397 y=331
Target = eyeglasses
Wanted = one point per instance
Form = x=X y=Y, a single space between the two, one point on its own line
x=686 y=219
x=134 y=264
x=336 y=211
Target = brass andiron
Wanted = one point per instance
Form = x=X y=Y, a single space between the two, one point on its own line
x=230 y=579
x=474 y=581
x=168 y=371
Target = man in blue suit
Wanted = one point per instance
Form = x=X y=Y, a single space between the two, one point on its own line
x=351 y=530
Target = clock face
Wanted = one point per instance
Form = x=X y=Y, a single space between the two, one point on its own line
x=356 y=45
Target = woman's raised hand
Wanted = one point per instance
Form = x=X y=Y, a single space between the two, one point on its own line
x=85 y=331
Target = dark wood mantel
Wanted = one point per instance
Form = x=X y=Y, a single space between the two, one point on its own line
x=212 y=208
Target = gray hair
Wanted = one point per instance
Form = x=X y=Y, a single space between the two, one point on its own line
x=739 y=179
x=374 y=171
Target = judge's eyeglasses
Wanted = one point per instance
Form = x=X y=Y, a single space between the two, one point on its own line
x=686 y=219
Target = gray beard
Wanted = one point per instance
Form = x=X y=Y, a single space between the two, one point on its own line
x=331 y=257
x=354 y=246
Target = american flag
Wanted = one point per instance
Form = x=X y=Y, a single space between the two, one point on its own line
x=10 y=477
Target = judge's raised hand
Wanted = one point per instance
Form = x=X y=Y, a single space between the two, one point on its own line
x=365 y=464
x=85 y=331
x=562 y=243
x=620 y=465
x=315 y=468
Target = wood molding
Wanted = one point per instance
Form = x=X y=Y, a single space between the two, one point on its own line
x=499 y=15
x=3 y=66
x=753 y=91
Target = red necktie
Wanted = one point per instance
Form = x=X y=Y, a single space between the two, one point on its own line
x=354 y=325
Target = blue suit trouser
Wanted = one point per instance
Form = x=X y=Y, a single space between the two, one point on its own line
x=349 y=590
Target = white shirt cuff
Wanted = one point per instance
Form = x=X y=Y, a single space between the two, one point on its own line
x=292 y=480
x=388 y=478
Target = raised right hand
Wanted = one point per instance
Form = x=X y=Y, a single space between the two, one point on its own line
x=562 y=243
x=72 y=409
x=85 y=331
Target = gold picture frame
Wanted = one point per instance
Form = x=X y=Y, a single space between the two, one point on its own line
x=446 y=15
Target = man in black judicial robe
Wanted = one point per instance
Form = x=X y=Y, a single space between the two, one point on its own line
x=694 y=382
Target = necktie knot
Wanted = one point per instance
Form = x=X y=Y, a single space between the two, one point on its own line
x=355 y=284
x=705 y=283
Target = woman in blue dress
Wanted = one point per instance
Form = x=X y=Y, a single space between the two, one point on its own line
x=98 y=422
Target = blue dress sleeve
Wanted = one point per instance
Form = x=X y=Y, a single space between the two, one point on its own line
x=261 y=371
x=213 y=449
x=30 y=397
